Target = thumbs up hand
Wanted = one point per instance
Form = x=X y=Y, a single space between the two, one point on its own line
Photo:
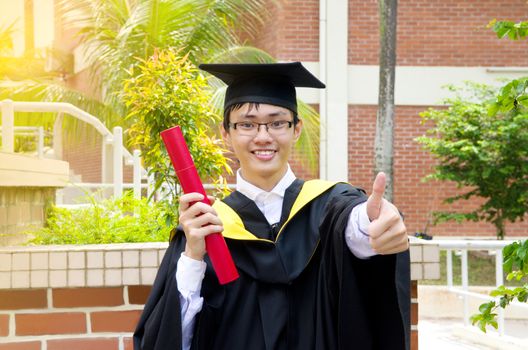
x=388 y=234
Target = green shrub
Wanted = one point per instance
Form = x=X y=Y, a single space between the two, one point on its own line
x=120 y=220
x=168 y=90
x=481 y=144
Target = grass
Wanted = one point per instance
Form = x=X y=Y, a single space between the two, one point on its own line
x=481 y=270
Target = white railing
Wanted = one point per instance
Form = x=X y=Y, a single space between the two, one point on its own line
x=36 y=132
x=113 y=151
x=462 y=246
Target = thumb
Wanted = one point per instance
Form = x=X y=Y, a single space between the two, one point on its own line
x=375 y=199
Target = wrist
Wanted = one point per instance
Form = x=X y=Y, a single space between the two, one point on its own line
x=193 y=254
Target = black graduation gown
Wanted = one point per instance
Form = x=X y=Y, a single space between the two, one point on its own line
x=300 y=287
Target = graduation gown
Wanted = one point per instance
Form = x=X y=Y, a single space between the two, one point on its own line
x=300 y=287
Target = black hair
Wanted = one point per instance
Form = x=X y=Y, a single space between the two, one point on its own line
x=252 y=105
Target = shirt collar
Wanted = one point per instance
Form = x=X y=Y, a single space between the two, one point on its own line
x=251 y=191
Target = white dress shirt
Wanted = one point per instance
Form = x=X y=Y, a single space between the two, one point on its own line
x=190 y=272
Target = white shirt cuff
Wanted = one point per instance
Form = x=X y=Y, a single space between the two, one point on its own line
x=356 y=232
x=362 y=218
x=189 y=275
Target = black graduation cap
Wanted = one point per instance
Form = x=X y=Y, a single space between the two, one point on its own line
x=270 y=83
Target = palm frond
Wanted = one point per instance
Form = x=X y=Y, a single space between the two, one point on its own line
x=308 y=143
x=241 y=54
x=216 y=24
x=50 y=91
x=6 y=39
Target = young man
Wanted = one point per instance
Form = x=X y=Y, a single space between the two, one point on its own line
x=321 y=265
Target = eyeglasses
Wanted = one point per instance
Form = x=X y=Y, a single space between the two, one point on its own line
x=274 y=128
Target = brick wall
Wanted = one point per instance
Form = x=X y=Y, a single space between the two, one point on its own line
x=22 y=208
x=91 y=297
x=439 y=33
x=70 y=318
x=414 y=315
x=291 y=30
x=84 y=153
x=430 y=33
x=74 y=297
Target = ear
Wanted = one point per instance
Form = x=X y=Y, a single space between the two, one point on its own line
x=225 y=135
x=297 y=130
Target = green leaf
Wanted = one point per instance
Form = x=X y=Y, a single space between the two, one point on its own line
x=522 y=295
x=486 y=307
x=514 y=31
x=493 y=324
x=503 y=302
x=522 y=252
x=509 y=249
x=482 y=326
x=507 y=265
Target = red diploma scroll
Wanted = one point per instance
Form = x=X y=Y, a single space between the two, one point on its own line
x=190 y=182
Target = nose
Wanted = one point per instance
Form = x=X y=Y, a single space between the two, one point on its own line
x=262 y=133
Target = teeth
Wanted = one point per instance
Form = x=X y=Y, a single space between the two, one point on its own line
x=264 y=153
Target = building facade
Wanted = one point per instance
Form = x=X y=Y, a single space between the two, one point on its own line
x=439 y=42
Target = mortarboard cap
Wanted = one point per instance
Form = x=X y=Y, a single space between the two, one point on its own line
x=270 y=83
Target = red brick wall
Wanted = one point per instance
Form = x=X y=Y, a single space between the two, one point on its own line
x=430 y=33
x=78 y=318
x=413 y=197
x=414 y=315
x=84 y=155
x=439 y=33
x=292 y=30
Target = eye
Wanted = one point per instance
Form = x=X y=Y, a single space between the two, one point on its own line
x=277 y=124
x=245 y=125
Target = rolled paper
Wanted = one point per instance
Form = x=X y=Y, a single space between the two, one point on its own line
x=190 y=182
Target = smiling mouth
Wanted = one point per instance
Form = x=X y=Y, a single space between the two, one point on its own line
x=264 y=154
